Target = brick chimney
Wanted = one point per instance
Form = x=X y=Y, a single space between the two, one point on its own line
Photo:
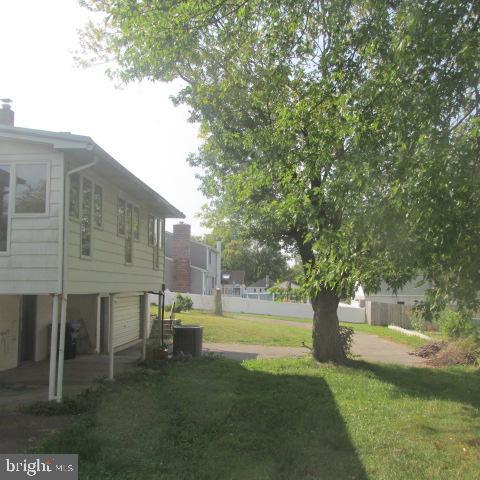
x=7 y=115
x=181 y=258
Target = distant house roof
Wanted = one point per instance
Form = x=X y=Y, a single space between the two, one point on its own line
x=113 y=169
x=236 y=277
x=264 y=282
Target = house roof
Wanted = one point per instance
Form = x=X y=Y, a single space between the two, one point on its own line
x=261 y=283
x=236 y=277
x=79 y=143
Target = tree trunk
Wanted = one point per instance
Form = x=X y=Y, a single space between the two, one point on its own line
x=218 y=302
x=326 y=341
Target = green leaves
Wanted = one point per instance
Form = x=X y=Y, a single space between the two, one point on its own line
x=347 y=131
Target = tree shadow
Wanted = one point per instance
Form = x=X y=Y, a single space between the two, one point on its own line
x=215 y=419
x=456 y=384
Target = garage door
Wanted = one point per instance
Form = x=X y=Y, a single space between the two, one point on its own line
x=126 y=327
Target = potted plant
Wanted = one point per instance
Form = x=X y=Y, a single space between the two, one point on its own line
x=156 y=351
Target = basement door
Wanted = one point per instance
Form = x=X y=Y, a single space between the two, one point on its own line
x=126 y=322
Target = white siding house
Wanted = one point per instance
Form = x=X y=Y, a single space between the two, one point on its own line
x=81 y=244
x=412 y=293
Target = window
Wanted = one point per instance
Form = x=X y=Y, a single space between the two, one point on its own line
x=128 y=234
x=155 y=238
x=98 y=206
x=157 y=241
x=31 y=188
x=209 y=257
x=136 y=224
x=121 y=216
x=156 y=260
x=86 y=220
x=160 y=233
x=74 y=205
x=4 y=206
x=151 y=228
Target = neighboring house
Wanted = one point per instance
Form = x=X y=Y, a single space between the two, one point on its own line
x=190 y=266
x=259 y=289
x=260 y=286
x=81 y=241
x=411 y=294
x=233 y=283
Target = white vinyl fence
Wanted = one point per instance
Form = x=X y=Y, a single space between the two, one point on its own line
x=346 y=313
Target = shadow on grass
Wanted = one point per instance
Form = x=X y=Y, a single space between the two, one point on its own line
x=456 y=384
x=214 y=419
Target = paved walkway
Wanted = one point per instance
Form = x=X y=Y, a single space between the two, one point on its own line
x=366 y=346
x=243 y=351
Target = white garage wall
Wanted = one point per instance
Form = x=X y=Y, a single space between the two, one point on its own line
x=346 y=313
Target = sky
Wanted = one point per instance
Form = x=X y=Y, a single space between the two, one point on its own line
x=136 y=124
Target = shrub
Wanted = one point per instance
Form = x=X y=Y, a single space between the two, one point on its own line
x=183 y=303
x=455 y=324
x=417 y=321
x=346 y=339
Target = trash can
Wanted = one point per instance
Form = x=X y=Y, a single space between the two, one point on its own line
x=187 y=340
x=70 y=350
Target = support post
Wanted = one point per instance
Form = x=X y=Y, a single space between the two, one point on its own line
x=146 y=318
x=99 y=309
x=160 y=312
x=110 y=339
x=163 y=302
x=61 y=347
x=53 y=348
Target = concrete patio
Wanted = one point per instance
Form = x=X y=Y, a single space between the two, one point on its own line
x=29 y=382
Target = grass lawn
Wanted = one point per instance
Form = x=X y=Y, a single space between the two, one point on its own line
x=238 y=328
x=242 y=328
x=279 y=420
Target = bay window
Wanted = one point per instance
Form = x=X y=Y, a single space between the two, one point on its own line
x=30 y=188
x=86 y=219
x=4 y=206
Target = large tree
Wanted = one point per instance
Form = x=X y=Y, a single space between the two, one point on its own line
x=347 y=130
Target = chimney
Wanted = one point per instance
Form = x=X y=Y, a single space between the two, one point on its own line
x=7 y=115
x=181 y=258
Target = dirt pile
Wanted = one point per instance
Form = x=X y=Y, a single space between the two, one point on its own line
x=443 y=354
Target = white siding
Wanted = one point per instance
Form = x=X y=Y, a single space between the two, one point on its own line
x=106 y=271
x=31 y=266
x=126 y=326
